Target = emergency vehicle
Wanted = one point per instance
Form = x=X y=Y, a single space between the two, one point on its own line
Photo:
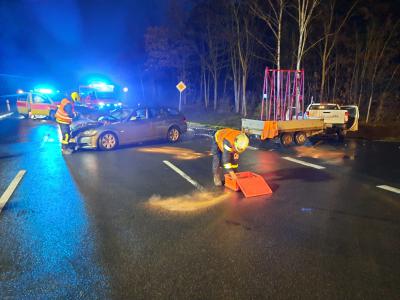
x=99 y=96
x=35 y=104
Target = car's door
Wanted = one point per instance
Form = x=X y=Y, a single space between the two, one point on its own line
x=40 y=105
x=352 y=123
x=23 y=104
x=138 y=127
x=160 y=122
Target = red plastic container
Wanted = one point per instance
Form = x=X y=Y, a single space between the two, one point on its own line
x=249 y=183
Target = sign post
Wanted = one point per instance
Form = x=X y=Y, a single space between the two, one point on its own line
x=181 y=87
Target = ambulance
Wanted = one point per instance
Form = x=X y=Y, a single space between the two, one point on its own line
x=35 y=104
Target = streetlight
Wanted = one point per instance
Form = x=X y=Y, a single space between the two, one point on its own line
x=19 y=91
x=125 y=89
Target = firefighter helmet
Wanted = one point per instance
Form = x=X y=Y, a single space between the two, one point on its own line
x=75 y=96
x=241 y=142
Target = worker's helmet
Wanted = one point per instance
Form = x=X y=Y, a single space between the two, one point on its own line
x=241 y=142
x=75 y=96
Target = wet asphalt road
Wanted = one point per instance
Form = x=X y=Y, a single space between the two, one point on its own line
x=101 y=225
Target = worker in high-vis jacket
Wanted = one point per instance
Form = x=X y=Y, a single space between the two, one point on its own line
x=226 y=147
x=64 y=115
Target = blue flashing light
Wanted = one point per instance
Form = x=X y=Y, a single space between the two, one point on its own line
x=45 y=91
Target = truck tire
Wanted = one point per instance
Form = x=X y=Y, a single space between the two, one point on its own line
x=286 y=139
x=300 y=138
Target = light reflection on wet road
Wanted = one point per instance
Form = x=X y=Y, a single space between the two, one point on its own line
x=81 y=226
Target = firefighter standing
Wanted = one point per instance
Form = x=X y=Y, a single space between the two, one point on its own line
x=226 y=147
x=64 y=115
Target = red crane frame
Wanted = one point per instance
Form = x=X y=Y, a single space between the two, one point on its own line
x=280 y=91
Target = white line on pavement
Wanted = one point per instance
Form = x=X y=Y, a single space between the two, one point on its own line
x=252 y=148
x=5 y=115
x=11 y=188
x=389 y=188
x=304 y=163
x=184 y=175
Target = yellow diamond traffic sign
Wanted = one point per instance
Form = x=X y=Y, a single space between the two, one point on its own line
x=181 y=86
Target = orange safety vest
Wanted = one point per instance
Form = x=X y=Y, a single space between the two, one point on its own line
x=226 y=134
x=61 y=115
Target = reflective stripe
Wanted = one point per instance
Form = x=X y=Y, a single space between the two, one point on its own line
x=61 y=115
x=226 y=147
x=234 y=166
x=65 y=140
x=228 y=166
x=62 y=122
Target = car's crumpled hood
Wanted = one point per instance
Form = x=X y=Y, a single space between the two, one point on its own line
x=80 y=126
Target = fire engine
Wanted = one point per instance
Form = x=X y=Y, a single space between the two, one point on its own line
x=99 y=95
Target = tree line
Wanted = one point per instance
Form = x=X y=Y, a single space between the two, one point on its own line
x=349 y=51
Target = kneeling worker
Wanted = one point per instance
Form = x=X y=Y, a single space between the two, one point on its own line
x=64 y=115
x=226 y=147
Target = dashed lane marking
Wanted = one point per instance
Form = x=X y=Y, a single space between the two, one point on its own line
x=11 y=188
x=304 y=163
x=184 y=175
x=5 y=115
x=389 y=188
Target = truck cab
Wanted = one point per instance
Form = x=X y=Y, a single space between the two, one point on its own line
x=99 y=96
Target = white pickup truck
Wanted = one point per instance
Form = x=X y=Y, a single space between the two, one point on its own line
x=318 y=119
x=337 y=119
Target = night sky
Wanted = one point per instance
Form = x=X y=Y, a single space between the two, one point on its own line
x=64 y=41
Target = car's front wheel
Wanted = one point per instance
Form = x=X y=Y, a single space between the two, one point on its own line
x=108 y=141
x=173 y=134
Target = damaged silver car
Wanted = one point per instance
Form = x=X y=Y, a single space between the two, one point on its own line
x=129 y=126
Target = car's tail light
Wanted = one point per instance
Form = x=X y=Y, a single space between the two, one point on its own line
x=346 y=116
x=307 y=114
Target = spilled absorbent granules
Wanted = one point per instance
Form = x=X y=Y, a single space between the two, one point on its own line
x=188 y=203
x=177 y=153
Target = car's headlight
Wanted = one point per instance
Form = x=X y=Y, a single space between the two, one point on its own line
x=90 y=132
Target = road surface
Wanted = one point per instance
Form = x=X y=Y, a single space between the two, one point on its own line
x=127 y=225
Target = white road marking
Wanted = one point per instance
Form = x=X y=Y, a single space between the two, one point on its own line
x=389 y=188
x=11 y=188
x=5 y=115
x=304 y=163
x=184 y=175
x=252 y=148
x=44 y=141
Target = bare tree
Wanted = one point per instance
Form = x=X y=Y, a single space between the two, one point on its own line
x=331 y=29
x=380 y=47
x=244 y=46
x=271 y=12
x=304 y=14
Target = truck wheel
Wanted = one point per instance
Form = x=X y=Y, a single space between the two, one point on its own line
x=300 y=138
x=286 y=139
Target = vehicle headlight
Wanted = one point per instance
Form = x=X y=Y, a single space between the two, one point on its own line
x=90 y=132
